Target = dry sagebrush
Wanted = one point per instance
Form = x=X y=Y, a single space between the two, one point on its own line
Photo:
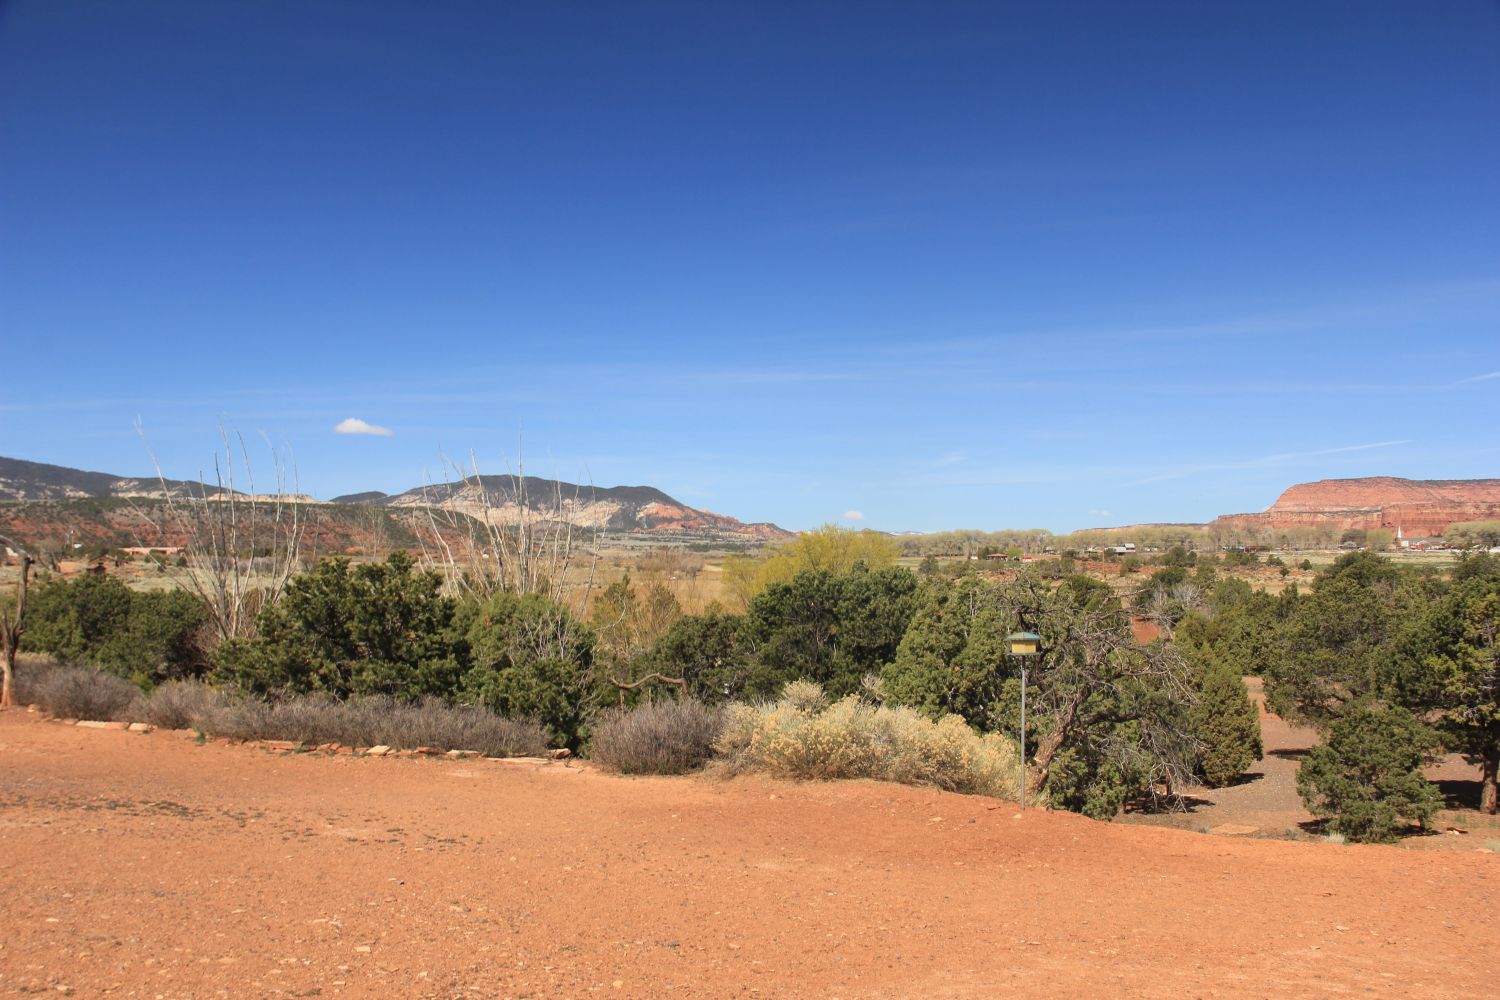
x=657 y=737
x=379 y=720
x=798 y=737
x=67 y=692
x=77 y=692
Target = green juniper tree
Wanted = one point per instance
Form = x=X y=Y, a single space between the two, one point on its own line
x=342 y=630
x=1367 y=778
x=1228 y=726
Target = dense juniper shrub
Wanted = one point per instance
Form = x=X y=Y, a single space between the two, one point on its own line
x=1227 y=724
x=1367 y=778
x=712 y=652
x=145 y=636
x=656 y=737
x=342 y=630
x=829 y=628
x=531 y=658
x=349 y=631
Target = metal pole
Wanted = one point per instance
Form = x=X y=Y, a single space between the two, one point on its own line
x=1023 y=733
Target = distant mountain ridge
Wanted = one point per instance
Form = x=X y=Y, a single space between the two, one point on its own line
x=23 y=480
x=611 y=508
x=643 y=509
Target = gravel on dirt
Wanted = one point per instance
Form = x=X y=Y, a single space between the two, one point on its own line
x=148 y=865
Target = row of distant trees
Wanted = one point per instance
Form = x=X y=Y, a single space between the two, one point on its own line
x=1036 y=541
x=1466 y=535
x=1473 y=535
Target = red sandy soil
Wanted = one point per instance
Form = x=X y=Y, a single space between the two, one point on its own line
x=151 y=866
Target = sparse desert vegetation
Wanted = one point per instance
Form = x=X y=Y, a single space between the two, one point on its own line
x=1138 y=695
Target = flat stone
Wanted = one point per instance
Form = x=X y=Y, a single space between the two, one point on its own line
x=282 y=745
x=461 y=754
x=95 y=724
x=142 y=727
x=378 y=751
x=561 y=753
x=429 y=751
x=1233 y=829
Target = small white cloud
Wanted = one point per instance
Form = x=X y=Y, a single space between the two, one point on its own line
x=854 y=515
x=951 y=458
x=354 y=425
x=1478 y=378
x=1097 y=512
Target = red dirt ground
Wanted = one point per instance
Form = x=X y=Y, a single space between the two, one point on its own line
x=150 y=866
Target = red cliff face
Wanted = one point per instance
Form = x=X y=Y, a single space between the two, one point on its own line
x=1418 y=507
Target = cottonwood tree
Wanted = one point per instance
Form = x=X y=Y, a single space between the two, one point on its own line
x=830 y=549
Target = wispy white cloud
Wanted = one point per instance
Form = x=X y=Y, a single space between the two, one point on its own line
x=1265 y=461
x=748 y=376
x=354 y=425
x=854 y=515
x=1401 y=305
x=1478 y=378
x=951 y=458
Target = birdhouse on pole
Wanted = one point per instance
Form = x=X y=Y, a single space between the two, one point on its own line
x=1024 y=643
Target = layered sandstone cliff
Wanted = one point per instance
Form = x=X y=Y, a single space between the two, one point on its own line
x=1415 y=507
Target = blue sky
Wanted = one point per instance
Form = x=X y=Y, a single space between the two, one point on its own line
x=945 y=265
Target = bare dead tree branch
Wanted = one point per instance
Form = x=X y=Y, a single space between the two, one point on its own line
x=680 y=683
x=12 y=625
x=241 y=548
x=488 y=534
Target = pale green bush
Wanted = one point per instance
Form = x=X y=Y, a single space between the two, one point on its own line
x=797 y=737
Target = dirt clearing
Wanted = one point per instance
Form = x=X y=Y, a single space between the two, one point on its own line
x=147 y=865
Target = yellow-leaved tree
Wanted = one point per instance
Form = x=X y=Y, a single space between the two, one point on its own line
x=831 y=547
